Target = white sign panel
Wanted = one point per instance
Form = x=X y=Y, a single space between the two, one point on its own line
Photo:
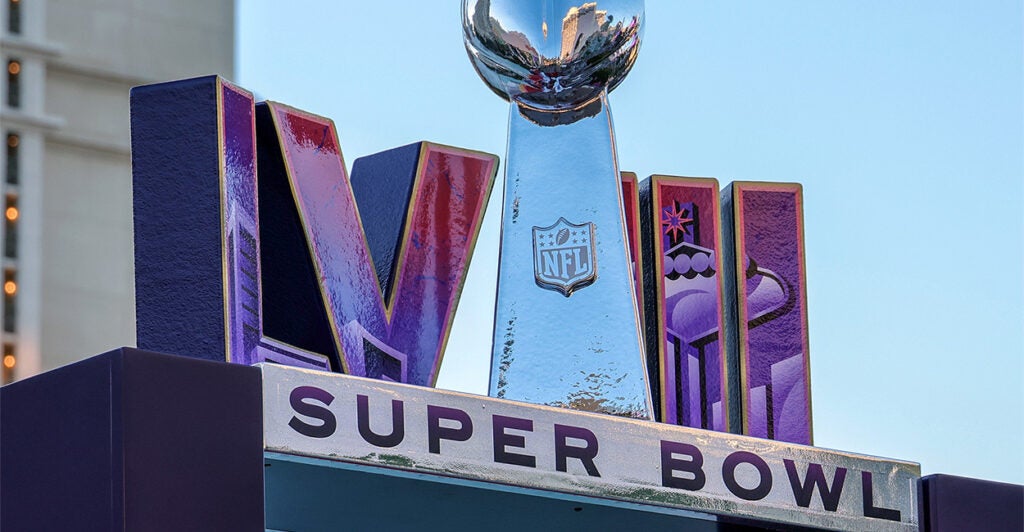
x=351 y=419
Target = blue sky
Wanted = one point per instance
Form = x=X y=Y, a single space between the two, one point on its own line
x=903 y=121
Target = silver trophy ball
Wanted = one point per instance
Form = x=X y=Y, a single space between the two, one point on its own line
x=552 y=55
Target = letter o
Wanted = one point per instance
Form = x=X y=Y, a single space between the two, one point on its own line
x=764 y=486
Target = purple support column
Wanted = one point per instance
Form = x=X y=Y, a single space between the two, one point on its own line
x=684 y=301
x=763 y=224
x=631 y=210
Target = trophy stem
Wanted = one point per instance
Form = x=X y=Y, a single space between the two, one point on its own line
x=567 y=331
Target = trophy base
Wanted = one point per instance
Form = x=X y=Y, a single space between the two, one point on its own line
x=567 y=331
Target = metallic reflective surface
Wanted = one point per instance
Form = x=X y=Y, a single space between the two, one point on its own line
x=567 y=330
x=638 y=461
x=582 y=350
x=552 y=55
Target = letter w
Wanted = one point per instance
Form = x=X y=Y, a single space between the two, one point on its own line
x=802 y=492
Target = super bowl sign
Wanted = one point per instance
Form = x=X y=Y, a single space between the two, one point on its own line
x=253 y=244
x=315 y=415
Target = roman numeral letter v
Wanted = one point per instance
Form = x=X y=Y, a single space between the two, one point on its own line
x=400 y=334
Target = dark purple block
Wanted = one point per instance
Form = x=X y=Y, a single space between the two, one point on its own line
x=133 y=440
x=384 y=185
x=952 y=504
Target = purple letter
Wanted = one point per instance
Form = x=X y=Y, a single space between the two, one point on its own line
x=435 y=432
x=802 y=492
x=585 y=454
x=764 y=486
x=870 y=510
x=693 y=466
x=311 y=410
x=396 y=331
x=397 y=423
x=377 y=303
x=503 y=439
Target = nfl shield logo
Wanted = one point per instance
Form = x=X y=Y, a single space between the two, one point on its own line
x=563 y=256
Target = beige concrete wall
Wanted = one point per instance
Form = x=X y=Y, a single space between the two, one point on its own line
x=86 y=300
x=88 y=288
x=94 y=109
x=145 y=39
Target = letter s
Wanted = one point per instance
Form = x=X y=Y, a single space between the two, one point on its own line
x=315 y=411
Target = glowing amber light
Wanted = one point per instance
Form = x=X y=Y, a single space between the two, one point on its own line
x=9 y=361
x=13 y=68
x=12 y=213
x=10 y=288
x=12 y=141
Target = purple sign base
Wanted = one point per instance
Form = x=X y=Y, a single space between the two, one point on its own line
x=952 y=504
x=133 y=440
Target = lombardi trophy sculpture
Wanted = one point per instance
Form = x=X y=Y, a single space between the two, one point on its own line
x=567 y=330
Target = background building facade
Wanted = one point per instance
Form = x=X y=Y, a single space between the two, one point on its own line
x=68 y=283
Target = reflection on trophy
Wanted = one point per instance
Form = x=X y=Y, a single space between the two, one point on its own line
x=567 y=331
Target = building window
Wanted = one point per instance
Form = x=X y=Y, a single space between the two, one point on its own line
x=10 y=298
x=11 y=215
x=8 y=363
x=14 y=16
x=14 y=83
x=13 y=143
